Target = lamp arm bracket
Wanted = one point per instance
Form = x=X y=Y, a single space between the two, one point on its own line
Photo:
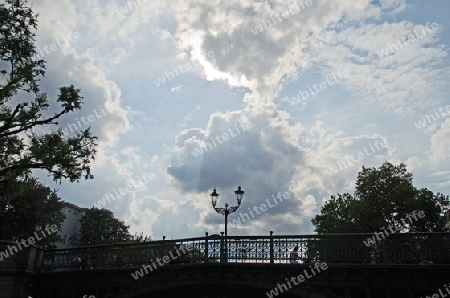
x=220 y=210
x=233 y=209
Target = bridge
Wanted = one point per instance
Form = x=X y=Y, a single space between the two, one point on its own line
x=335 y=265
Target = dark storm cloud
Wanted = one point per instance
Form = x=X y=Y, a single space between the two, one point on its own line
x=260 y=160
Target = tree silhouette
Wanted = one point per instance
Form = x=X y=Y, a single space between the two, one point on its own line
x=383 y=197
x=22 y=108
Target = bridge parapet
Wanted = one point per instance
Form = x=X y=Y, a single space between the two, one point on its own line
x=405 y=248
x=18 y=268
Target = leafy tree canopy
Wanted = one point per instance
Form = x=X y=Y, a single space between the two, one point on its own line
x=382 y=197
x=23 y=107
x=98 y=226
x=28 y=206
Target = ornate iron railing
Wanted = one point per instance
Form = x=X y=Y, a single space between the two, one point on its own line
x=405 y=248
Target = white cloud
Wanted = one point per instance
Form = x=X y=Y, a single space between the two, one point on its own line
x=176 y=89
x=154 y=129
x=440 y=143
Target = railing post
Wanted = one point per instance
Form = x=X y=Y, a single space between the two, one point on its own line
x=271 y=247
x=163 y=247
x=222 y=254
x=325 y=240
x=206 y=247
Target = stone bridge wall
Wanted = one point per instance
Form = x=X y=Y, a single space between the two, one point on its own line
x=18 y=270
x=247 y=280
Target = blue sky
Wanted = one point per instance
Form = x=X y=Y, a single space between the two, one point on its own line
x=223 y=75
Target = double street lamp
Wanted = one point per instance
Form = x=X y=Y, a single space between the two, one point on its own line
x=225 y=211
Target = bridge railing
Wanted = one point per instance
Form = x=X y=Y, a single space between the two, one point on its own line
x=404 y=248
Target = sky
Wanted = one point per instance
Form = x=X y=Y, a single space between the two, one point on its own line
x=287 y=99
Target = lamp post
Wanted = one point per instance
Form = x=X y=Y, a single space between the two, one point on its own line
x=225 y=211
